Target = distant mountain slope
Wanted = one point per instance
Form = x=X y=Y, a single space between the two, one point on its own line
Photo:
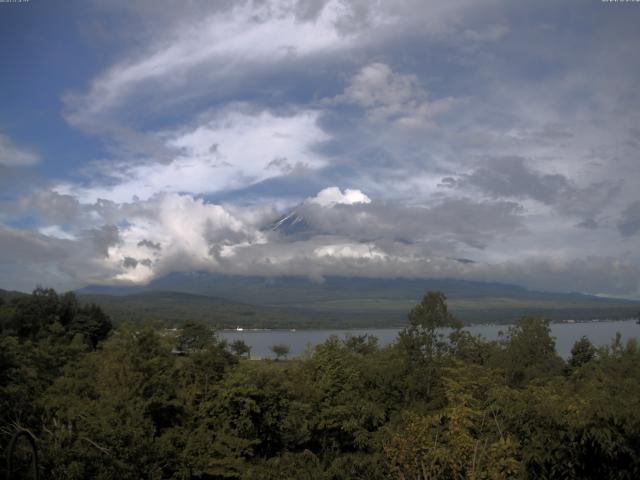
x=174 y=308
x=341 y=301
x=288 y=290
x=7 y=295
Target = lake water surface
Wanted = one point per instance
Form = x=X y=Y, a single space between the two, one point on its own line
x=600 y=333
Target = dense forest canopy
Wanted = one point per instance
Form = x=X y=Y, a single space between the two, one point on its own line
x=134 y=402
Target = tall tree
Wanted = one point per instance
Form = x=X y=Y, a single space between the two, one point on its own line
x=423 y=341
x=530 y=352
x=582 y=352
x=280 y=350
x=240 y=348
x=195 y=336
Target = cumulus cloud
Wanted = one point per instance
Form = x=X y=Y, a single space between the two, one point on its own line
x=181 y=234
x=334 y=196
x=168 y=232
x=174 y=232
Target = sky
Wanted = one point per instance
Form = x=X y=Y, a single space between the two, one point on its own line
x=487 y=140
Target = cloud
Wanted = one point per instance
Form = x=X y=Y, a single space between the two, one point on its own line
x=52 y=207
x=174 y=232
x=462 y=129
x=149 y=244
x=212 y=50
x=309 y=10
x=629 y=224
x=389 y=97
x=56 y=231
x=350 y=250
x=129 y=262
x=179 y=233
x=13 y=156
x=30 y=258
x=511 y=177
x=598 y=274
x=490 y=33
x=449 y=223
x=224 y=151
x=334 y=196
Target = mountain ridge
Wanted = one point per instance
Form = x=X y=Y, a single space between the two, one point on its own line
x=204 y=283
x=346 y=301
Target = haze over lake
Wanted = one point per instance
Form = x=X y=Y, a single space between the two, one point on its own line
x=260 y=341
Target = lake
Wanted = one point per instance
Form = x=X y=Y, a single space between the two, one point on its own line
x=600 y=333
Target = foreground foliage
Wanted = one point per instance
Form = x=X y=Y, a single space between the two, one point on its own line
x=123 y=404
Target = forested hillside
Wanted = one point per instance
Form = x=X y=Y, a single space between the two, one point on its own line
x=135 y=403
x=335 y=302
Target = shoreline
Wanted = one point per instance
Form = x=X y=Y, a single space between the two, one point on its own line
x=373 y=327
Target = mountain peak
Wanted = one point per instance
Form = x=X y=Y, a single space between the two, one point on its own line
x=288 y=224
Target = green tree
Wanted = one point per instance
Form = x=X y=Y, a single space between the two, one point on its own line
x=91 y=323
x=423 y=341
x=195 y=336
x=338 y=387
x=240 y=348
x=465 y=439
x=582 y=352
x=280 y=350
x=252 y=415
x=432 y=313
x=45 y=315
x=115 y=413
x=34 y=314
x=361 y=344
x=201 y=370
x=301 y=466
x=530 y=352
